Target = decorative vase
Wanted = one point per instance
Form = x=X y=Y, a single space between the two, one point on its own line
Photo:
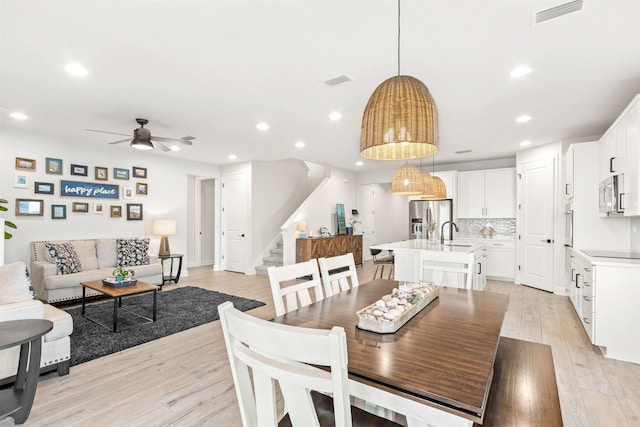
x=349 y=230
x=119 y=278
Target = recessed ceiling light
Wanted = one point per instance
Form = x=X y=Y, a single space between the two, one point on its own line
x=232 y=157
x=262 y=126
x=359 y=163
x=335 y=115
x=523 y=143
x=523 y=118
x=76 y=69
x=18 y=116
x=299 y=144
x=520 y=72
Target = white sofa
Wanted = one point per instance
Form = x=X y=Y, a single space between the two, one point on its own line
x=56 y=344
x=97 y=257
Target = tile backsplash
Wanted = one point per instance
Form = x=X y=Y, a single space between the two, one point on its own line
x=472 y=227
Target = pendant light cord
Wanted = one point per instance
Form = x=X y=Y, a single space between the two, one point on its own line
x=398 y=37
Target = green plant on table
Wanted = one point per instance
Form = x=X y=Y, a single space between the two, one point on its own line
x=123 y=272
x=9 y=224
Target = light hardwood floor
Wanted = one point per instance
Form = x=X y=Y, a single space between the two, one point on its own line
x=184 y=379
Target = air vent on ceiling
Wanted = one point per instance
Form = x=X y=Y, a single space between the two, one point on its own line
x=337 y=80
x=557 y=11
x=463 y=151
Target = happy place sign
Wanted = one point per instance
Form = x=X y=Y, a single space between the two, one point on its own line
x=89 y=189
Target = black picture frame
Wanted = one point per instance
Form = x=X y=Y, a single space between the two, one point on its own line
x=58 y=211
x=43 y=187
x=79 y=170
x=134 y=212
x=139 y=172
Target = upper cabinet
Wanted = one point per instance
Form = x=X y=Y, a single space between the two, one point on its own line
x=487 y=194
x=620 y=155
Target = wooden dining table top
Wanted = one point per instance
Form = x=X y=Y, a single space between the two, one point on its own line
x=443 y=356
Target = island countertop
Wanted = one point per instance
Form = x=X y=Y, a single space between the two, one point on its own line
x=430 y=245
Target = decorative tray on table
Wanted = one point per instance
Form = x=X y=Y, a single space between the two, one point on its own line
x=391 y=312
x=111 y=281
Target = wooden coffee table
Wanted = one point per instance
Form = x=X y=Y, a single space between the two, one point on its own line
x=117 y=294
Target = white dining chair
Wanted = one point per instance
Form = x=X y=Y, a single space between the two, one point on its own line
x=290 y=285
x=270 y=352
x=338 y=281
x=439 y=268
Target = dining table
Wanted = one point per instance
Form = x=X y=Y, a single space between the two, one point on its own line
x=437 y=369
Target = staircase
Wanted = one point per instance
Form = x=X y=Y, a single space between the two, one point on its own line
x=274 y=258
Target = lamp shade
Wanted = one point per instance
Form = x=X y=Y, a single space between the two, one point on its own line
x=400 y=121
x=407 y=181
x=164 y=227
x=302 y=226
x=434 y=188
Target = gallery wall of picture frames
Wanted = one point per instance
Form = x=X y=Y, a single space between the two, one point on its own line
x=94 y=195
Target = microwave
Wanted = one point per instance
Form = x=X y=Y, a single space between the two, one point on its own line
x=611 y=196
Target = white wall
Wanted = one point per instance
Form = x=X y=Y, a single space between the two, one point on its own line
x=166 y=178
x=391 y=218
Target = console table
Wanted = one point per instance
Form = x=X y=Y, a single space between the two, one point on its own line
x=16 y=402
x=319 y=247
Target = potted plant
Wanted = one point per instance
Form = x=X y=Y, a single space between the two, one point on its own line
x=9 y=224
x=352 y=222
x=122 y=273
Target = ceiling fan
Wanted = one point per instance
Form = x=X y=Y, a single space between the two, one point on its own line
x=143 y=140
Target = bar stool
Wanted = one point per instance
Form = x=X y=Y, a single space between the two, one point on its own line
x=380 y=262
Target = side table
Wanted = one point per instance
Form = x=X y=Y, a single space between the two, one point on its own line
x=16 y=402
x=171 y=277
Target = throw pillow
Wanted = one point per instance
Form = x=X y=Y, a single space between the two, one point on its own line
x=14 y=285
x=31 y=290
x=65 y=257
x=132 y=252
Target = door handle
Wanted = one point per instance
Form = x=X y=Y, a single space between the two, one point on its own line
x=547 y=240
x=242 y=235
x=611 y=164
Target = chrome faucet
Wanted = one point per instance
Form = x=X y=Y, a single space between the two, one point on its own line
x=442 y=230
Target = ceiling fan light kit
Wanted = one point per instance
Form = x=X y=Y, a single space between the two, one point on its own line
x=400 y=120
x=143 y=140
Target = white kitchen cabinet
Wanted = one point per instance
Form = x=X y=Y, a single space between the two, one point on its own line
x=615 y=141
x=486 y=194
x=631 y=197
x=582 y=293
x=479 y=271
x=501 y=260
x=568 y=175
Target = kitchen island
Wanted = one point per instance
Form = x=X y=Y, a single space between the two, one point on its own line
x=410 y=254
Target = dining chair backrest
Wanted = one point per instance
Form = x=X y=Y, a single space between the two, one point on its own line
x=439 y=267
x=271 y=352
x=343 y=280
x=288 y=296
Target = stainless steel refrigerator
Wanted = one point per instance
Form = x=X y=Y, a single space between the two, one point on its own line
x=427 y=216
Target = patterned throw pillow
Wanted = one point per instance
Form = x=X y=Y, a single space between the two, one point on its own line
x=65 y=257
x=31 y=290
x=132 y=252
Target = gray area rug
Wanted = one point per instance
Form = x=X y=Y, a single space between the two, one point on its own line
x=178 y=309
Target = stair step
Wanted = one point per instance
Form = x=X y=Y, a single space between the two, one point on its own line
x=278 y=251
x=261 y=270
x=272 y=260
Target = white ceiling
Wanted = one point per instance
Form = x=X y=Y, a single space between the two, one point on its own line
x=213 y=69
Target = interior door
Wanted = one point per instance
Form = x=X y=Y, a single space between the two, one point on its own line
x=367 y=219
x=536 y=228
x=207 y=221
x=234 y=221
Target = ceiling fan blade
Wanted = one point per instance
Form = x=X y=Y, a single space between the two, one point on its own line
x=121 y=141
x=163 y=139
x=112 y=133
x=188 y=138
x=161 y=146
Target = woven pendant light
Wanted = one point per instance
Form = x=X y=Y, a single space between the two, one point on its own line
x=400 y=120
x=434 y=188
x=407 y=181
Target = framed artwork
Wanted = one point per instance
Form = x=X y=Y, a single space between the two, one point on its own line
x=139 y=172
x=134 y=211
x=43 y=187
x=29 y=207
x=119 y=173
x=116 y=211
x=58 y=211
x=82 y=207
x=53 y=166
x=25 y=164
x=102 y=174
x=142 y=188
x=20 y=180
x=80 y=170
x=98 y=208
x=128 y=193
